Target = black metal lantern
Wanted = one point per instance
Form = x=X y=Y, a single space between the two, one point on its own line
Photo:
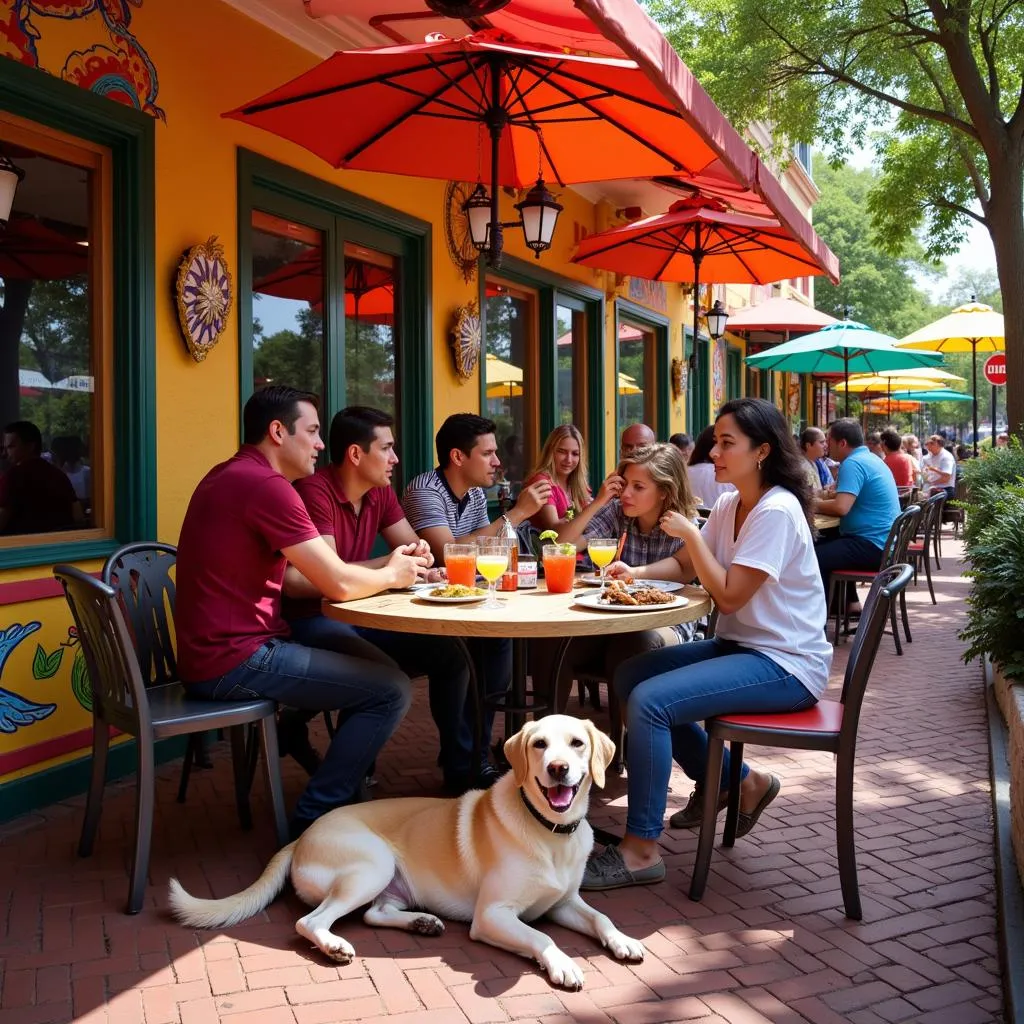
x=538 y=214
x=716 y=318
x=477 y=209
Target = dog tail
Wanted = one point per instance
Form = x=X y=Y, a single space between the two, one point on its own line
x=199 y=913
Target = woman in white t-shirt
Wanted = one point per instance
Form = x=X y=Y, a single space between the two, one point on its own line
x=755 y=557
x=701 y=470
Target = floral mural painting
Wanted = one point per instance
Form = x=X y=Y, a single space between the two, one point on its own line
x=118 y=68
x=17 y=711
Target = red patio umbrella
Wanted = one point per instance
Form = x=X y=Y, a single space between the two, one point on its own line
x=779 y=316
x=32 y=251
x=699 y=241
x=421 y=109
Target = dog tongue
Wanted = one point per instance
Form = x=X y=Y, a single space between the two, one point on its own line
x=559 y=796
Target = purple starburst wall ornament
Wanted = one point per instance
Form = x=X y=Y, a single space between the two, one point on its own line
x=203 y=296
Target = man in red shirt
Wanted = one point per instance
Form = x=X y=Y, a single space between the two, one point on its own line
x=898 y=461
x=351 y=501
x=244 y=524
x=35 y=496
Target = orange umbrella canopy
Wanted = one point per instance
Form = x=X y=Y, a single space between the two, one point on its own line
x=697 y=240
x=423 y=110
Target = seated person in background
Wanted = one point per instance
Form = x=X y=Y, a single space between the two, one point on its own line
x=938 y=467
x=899 y=462
x=35 y=496
x=813 y=446
x=68 y=453
x=684 y=443
x=652 y=482
x=244 y=524
x=755 y=557
x=874 y=444
x=563 y=464
x=704 y=481
x=636 y=435
x=448 y=504
x=351 y=501
x=865 y=500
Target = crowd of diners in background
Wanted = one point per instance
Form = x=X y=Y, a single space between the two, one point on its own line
x=277 y=528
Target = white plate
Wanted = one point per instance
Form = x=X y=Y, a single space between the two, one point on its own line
x=669 y=586
x=429 y=595
x=593 y=602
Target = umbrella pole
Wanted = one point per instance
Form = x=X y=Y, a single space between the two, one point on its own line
x=974 y=379
x=697 y=257
x=888 y=393
x=846 y=375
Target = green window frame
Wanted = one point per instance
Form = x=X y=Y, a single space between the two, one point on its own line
x=733 y=372
x=129 y=135
x=553 y=290
x=698 y=387
x=658 y=325
x=276 y=188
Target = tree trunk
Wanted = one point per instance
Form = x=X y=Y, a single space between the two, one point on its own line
x=1006 y=226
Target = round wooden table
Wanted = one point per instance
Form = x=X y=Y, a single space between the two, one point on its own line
x=525 y=614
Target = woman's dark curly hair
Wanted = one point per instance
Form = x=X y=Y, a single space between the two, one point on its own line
x=702 y=446
x=784 y=466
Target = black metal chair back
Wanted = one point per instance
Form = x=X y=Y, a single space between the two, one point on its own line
x=931 y=520
x=141 y=575
x=118 y=690
x=901 y=533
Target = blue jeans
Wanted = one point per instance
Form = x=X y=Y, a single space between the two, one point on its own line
x=374 y=696
x=667 y=692
x=439 y=658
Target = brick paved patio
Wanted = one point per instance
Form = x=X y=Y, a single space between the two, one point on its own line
x=768 y=943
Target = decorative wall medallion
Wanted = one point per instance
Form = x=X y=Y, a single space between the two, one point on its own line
x=203 y=296
x=461 y=250
x=465 y=340
x=678 y=373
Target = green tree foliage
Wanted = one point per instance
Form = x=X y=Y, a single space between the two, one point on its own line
x=877 y=287
x=938 y=85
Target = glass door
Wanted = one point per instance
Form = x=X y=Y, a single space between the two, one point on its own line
x=371 y=352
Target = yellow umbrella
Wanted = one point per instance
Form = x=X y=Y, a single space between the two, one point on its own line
x=502 y=389
x=888 y=406
x=896 y=380
x=972 y=327
x=628 y=385
x=503 y=379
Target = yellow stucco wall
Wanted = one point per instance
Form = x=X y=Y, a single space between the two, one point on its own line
x=209 y=58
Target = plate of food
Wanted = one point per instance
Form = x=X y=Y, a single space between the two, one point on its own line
x=667 y=586
x=640 y=597
x=451 y=593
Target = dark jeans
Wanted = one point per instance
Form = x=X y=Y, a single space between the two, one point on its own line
x=373 y=696
x=846 y=553
x=440 y=659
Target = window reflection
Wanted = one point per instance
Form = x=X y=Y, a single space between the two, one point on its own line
x=287 y=308
x=571 y=326
x=370 y=339
x=47 y=408
x=635 y=403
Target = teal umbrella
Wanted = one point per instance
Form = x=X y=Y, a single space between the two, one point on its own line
x=936 y=395
x=845 y=347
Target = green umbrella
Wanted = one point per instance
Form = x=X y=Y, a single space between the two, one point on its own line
x=935 y=395
x=845 y=347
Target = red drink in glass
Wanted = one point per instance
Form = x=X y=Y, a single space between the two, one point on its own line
x=559 y=569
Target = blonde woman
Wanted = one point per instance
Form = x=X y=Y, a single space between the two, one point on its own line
x=653 y=483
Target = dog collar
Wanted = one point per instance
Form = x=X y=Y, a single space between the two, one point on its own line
x=562 y=830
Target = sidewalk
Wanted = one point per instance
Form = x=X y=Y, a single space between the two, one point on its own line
x=768 y=943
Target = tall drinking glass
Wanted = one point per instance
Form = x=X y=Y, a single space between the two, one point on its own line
x=491 y=563
x=460 y=564
x=602 y=553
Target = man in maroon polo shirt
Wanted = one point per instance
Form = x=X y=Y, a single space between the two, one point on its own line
x=35 y=496
x=245 y=522
x=351 y=501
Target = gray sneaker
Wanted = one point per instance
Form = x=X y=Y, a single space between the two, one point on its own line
x=691 y=814
x=607 y=870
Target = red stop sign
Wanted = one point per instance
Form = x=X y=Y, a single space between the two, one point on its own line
x=995 y=368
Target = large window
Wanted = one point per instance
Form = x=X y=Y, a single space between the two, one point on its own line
x=511 y=390
x=334 y=298
x=641 y=369
x=55 y=340
x=571 y=328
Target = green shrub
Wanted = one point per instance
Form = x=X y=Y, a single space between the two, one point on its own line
x=986 y=478
x=995 y=548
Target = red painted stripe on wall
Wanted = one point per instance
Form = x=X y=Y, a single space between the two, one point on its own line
x=25 y=757
x=31 y=590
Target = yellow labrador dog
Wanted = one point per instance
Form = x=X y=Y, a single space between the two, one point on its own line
x=498 y=858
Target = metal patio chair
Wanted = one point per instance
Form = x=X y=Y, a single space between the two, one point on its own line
x=920 y=551
x=122 y=699
x=831 y=725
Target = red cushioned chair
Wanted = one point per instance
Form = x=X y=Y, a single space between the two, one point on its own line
x=901 y=533
x=830 y=725
x=920 y=551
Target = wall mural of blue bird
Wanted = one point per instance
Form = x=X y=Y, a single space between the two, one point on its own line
x=17 y=711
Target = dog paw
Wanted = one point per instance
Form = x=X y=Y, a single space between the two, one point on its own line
x=622 y=947
x=340 y=951
x=562 y=970
x=427 y=924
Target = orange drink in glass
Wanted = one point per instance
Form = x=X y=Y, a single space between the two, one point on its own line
x=559 y=567
x=460 y=563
